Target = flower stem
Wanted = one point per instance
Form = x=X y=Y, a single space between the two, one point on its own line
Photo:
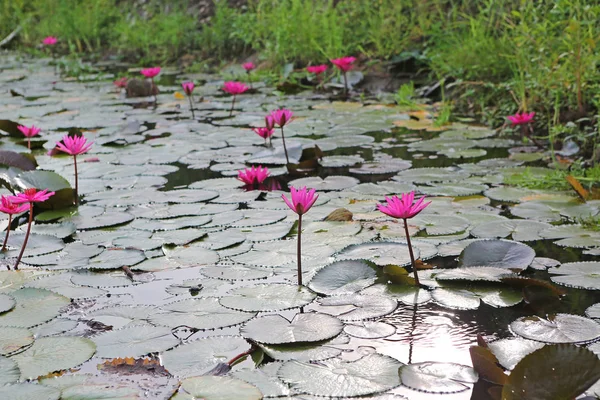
x=249 y=80
x=29 y=143
x=410 y=252
x=299 y=252
x=345 y=84
x=152 y=89
x=76 y=182
x=26 y=236
x=7 y=233
x=284 y=148
x=232 y=104
x=191 y=106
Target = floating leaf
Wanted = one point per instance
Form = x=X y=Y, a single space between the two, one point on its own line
x=486 y=365
x=116 y=258
x=370 y=374
x=202 y=355
x=581 y=275
x=9 y=371
x=268 y=297
x=34 y=307
x=14 y=339
x=28 y=391
x=301 y=352
x=553 y=372
x=7 y=302
x=218 y=388
x=357 y=307
x=512 y=350
x=521 y=230
x=559 y=328
x=380 y=253
x=307 y=327
x=51 y=354
x=497 y=253
x=370 y=330
x=435 y=377
x=343 y=277
x=236 y=272
x=134 y=341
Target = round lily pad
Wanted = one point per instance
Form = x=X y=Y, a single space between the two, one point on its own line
x=512 y=350
x=435 y=377
x=306 y=327
x=380 y=253
x=343 y=277
x=582 y=275
x=497 y=253
x=558 y=328
x=29 y=391
x=370 y=330
x=219 y=388
x=268 y=297
x=34 y=307
x=14 y=339
x=134 y=341
x=357 y=307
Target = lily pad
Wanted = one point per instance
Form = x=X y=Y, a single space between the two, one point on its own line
x=9 y=371
x=343 y=277
x=7 y=302
x=581 y=275
x=268 y=297
x=380 y=253
x=14 y=339
x=497 y=253
x=512 y=350
x=436 y=377
x=34 y=307
x=521 y=230
x=28 y=391
x=134 y=341
x=558 y=328
x=357 y=307
x=307 y=327
x=370 y=330
x=217 y=388
x=370 y=374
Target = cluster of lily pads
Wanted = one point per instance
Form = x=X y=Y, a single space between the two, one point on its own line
x=170 y=262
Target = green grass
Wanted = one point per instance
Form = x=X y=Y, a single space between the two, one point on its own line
x=555 y=179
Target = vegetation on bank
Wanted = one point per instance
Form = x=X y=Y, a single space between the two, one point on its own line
x=493 y=57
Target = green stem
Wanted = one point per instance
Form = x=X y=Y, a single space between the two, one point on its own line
x=232 y=104
x=345 y=85
x=76 y=182
x=26 y=235
x=299 y=252
x=410 y=252
x=284 y=148
x=191 y=106
x=7 y=233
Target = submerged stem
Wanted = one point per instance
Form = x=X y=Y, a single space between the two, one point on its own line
x=299 y=252
x=7 y=233
x=410 y=252
x=26 y=235
x=284 y=148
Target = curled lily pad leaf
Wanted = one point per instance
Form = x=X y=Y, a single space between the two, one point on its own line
x=200 y=313
x=34 y=307
x=218 y=388
x=434 y=377
x=54 y=354
x=202 y=355
x=561 y=371
x=380 y=253
x=371 y=374
x=28 y=391
x=582 y=275
x=14 y=339
x=497 y=253
x=307 y=327
x=512 y=350
x=134 y=341
x=370 y=330
x=558 y=328
x=268 y=297
x=343 y=277
x=357 y=307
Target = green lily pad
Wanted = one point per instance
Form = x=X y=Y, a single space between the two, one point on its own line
x=217 y=388
x=236 y=272
x=512 y=350
x=497 y=253
x=370 y=330
x=134 y=341
x=521 y=230
x=581 y=275
x=343 y=277
x=380 y=253
x=9 y=371
x=307 y=327
x=301 y=352
x=436 y=377
x=7 y=302
x=370 y=374
x=357 y=307
x=116 y=258
x=34 y=307
x=28 y=391
x=268 y=297
x=14 y=339
x=51 y=354
x=558 y=328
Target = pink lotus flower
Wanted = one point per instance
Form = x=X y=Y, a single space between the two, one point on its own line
x=29 y=131
x=188 y=87
x=403 y=208
x=49 y=40
x=317 y=69
x=344 y=64
x=74 y=145
x=31 y=195
x=269 y=122
x=150 y=72
x=264 y=133
x=521 y=119
x=249 y=66
x=281 y=117
x=252 y=176
x=234 y=88
x=10 y=208
x=302 y=199
x=121 y=82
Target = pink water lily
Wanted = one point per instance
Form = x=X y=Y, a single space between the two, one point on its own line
x=188 y=88
x=343 y=63
x=405 y=208
x=150 y=72
x=301 y=201
x=253 y=176
x=31 y=195
x=521 y=119
x=121 y=82
x=29 y=132
x=10 y=208
x=269 y=122
x=317 y=69
x=74 y=145
x=264 y=133
x=281 y=118
x=234 y=88
x=49 y=40
x=249 y=66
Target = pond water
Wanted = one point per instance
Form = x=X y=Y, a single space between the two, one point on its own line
x=214 y=264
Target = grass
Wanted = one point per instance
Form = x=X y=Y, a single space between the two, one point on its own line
x=555 y=179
